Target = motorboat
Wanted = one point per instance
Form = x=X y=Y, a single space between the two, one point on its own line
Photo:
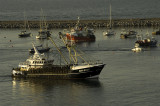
x=128 y=34
x=137 y=48
x=148 y=41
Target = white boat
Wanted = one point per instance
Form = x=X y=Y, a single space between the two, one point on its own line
x=43 y=34
x=36 y=61
x=109 y=31
x=137 y=48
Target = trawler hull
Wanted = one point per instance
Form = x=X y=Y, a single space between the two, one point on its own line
x=60 y=72
x=81 y=38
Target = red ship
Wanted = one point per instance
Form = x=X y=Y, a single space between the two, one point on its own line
x=79 y=34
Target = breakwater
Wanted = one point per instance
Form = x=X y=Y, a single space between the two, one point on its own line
x=155 y=22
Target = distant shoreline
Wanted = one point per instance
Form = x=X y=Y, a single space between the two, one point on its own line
x=138 y=22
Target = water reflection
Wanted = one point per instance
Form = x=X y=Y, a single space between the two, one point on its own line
x=85 y=44
x=22 y=82
x=45 y=90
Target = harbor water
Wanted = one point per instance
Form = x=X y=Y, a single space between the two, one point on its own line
x=128 y=79
x=85 y=9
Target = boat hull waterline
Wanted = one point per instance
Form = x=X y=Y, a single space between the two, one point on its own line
x=60 y=72
x=25 y=35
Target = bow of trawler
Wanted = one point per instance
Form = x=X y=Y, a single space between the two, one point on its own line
x=86 y=70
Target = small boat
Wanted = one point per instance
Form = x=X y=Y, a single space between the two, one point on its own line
x=39 y=66
x=146 y=42
x=128 y=34
x=109 y=31
x=79 y=34
x=137 y=48
x=43 y=34
x=40 y=49
x=24 y=34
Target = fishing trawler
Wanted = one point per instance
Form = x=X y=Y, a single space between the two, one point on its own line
x=39 y=66
x=79 y=34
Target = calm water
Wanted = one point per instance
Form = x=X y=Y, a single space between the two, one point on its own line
x=128 y=79
x=70 y=9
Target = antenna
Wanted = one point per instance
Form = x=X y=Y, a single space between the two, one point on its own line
x=110 y=15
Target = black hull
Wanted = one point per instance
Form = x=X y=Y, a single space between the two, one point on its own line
x=40 y=51
x=147 y=44
x=63 y=73
x=24 y=35
x=157 y=32
x=127 y=36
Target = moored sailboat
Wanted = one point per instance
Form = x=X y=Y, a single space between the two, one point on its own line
x=25 y=33
x=43 y=33
x=109 y=30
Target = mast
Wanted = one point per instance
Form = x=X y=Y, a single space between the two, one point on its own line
x=77 y=22
x=24 y=22
x=36 y=54
x=58 y=49
x=110 y=16
x=70 y=49
x=41 y=21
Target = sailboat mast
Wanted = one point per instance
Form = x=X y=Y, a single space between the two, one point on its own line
x=110 y=16
x=24 y=22
x=77 y=22
x=41 y=20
